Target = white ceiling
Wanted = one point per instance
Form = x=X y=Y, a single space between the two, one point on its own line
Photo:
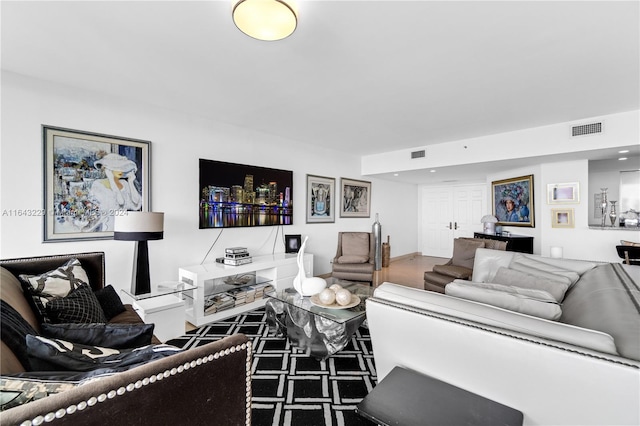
x=357 y=76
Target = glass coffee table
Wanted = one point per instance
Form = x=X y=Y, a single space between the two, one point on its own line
x=319 y=330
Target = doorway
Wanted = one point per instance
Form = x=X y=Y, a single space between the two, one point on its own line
x=450 y=212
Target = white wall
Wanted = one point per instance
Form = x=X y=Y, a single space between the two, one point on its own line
x=177 y=142
x=579 y=242
x=620 y=129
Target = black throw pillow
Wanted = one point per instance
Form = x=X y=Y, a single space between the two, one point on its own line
x=61 y=355
x=80 y=306
x=110 y=302
x=14 y=329
x=116 y=336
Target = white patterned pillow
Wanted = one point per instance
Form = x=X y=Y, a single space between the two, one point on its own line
x=56 y=283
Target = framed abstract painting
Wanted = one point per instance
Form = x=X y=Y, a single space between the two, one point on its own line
x=89 y=179
x=356 y=198
x=320 y=199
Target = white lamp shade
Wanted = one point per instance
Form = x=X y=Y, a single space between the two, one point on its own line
x=267 y=20
x=139 y=226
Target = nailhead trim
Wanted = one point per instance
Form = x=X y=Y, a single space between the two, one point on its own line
x=92 y=401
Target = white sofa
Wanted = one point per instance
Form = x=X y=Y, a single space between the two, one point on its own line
x=554 y=372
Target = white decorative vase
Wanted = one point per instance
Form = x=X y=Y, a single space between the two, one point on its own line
x=307 y=286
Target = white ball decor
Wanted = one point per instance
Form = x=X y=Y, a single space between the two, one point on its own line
x=327 y=296
x=335 y=287
x=343 y=297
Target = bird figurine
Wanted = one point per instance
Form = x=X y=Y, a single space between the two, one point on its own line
x=306 y=286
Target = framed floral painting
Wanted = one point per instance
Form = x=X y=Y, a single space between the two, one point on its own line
x=89 y=179
x=512 y=201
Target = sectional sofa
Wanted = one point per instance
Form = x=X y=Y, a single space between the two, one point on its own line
x=210 y=384
x=563 y=351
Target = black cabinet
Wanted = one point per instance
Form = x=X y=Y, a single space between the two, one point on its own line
x=520 y=243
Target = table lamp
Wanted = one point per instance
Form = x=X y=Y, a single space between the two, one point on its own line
x=139 y=227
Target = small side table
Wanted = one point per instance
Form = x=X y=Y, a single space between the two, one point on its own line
x=164 y=307
x=408 y=398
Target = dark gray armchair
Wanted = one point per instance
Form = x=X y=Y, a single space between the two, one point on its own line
x=354 y=259
x=460 y=266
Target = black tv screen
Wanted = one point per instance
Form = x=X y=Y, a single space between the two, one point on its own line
x=233 y=195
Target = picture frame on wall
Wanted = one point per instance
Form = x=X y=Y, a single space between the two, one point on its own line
x=321 y=199
x=355 y=198
x=513 y=201
x=562 y=218
x=563 y=193
x=89 y=179
x=292 y=243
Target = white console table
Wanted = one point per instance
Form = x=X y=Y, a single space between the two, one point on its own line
x=213 y=279
x=163 y=306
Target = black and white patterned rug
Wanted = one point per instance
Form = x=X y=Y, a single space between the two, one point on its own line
x=290 y=387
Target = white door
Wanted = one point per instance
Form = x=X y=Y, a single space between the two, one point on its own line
x=437 y=221
x=450 y=212
x=469 y=204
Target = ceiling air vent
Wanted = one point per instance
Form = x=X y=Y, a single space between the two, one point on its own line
x=417 y=154
x=586 y=129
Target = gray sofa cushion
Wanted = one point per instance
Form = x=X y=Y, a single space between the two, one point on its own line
x=521 y=279
x=549 y=271
x=464 y=251
x=538 y=303
x=453 y=271
x=608 y=300
x=355 y=244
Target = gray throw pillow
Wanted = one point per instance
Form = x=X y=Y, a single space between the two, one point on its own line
x=524 y=280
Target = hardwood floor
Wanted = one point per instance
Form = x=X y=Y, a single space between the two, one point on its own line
x=408 y=270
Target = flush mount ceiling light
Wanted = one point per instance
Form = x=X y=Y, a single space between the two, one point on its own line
x=267 y=20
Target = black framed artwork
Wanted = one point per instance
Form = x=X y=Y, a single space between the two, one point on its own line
x=292 y=243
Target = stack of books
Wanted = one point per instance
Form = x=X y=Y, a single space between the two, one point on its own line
x=240 y=295
x=218 y=302
x=235 y=256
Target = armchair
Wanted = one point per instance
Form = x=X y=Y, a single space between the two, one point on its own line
x=354 y=259
x=460 y=266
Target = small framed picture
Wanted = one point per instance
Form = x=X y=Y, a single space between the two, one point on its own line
x=292 y=243
x=562 y=218
x=356 y=198
x=321 y=196
x=563 y=193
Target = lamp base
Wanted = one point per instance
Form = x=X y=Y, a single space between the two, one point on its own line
x=141 y=282
x=489 y=228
